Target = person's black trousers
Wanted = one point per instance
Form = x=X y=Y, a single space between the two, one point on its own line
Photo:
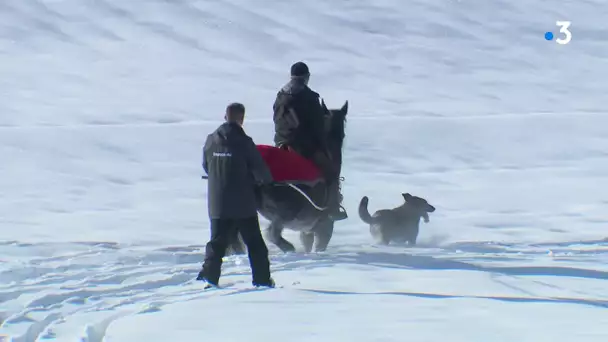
x=221 y=232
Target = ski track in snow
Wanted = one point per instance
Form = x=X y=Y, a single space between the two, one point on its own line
x=136 y=280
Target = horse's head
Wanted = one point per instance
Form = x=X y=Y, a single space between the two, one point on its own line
x=335 y=130
x=335 y=123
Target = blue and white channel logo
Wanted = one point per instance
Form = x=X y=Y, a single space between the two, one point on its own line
x=563 y=28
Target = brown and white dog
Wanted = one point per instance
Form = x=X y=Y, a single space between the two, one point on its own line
x=400 y=224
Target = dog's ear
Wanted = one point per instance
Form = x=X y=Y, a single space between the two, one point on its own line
x=406 y=196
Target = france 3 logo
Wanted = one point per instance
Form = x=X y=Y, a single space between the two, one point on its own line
x=564 y=27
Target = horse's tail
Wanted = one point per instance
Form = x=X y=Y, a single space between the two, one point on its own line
x=363 y=213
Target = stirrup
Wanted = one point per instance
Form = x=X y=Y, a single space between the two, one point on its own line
x=340 y=196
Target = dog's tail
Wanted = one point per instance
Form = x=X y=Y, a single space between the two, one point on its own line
x=363 y=213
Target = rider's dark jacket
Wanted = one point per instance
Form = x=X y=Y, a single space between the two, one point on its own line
x=299 y=118
x=235 y=167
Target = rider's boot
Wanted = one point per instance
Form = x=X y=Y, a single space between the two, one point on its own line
x=337 y=213
x=335 y=210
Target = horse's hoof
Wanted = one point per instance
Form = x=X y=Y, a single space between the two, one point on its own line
x=288 y=250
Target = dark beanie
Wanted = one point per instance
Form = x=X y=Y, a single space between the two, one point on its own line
x=299 y=69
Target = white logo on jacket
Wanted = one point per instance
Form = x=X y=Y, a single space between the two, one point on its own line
x=222 y=154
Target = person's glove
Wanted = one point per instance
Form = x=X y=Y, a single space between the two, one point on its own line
x=263 y=185
x=286 y=147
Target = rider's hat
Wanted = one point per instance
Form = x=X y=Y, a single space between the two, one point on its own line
x=299 y=69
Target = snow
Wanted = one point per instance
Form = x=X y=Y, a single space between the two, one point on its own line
x=105 y=106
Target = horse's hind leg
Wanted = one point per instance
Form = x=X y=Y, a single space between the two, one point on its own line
x=274 y=234
x=307 y=240
x=323 y=231
x=236 y=246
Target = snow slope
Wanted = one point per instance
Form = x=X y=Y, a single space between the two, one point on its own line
x=104 y=106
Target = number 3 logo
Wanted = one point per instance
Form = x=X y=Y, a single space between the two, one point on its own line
x=564 y=29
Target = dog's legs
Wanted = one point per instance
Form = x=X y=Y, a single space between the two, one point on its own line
x=323 y=232
x=378 y=235
x=413 y=236
x=412 y=241
x=274 y=234
x=307 y=239
x=383 y=239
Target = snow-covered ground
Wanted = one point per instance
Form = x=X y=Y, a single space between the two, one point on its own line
x=105 y=104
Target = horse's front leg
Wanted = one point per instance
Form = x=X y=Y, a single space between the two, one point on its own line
x=274 y=233
x=323 y=231
x=307 y=239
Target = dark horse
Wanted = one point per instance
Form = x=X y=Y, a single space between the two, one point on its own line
x=301 y=207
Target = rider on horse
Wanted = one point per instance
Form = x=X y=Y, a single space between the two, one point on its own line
x=299 y=126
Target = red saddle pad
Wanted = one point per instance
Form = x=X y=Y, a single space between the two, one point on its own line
x=287 y=166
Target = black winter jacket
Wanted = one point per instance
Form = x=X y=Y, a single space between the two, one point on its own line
x=299 y=118
x=234 y=167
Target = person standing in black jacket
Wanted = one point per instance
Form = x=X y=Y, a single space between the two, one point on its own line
x=234 y=167
x=299 y=121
